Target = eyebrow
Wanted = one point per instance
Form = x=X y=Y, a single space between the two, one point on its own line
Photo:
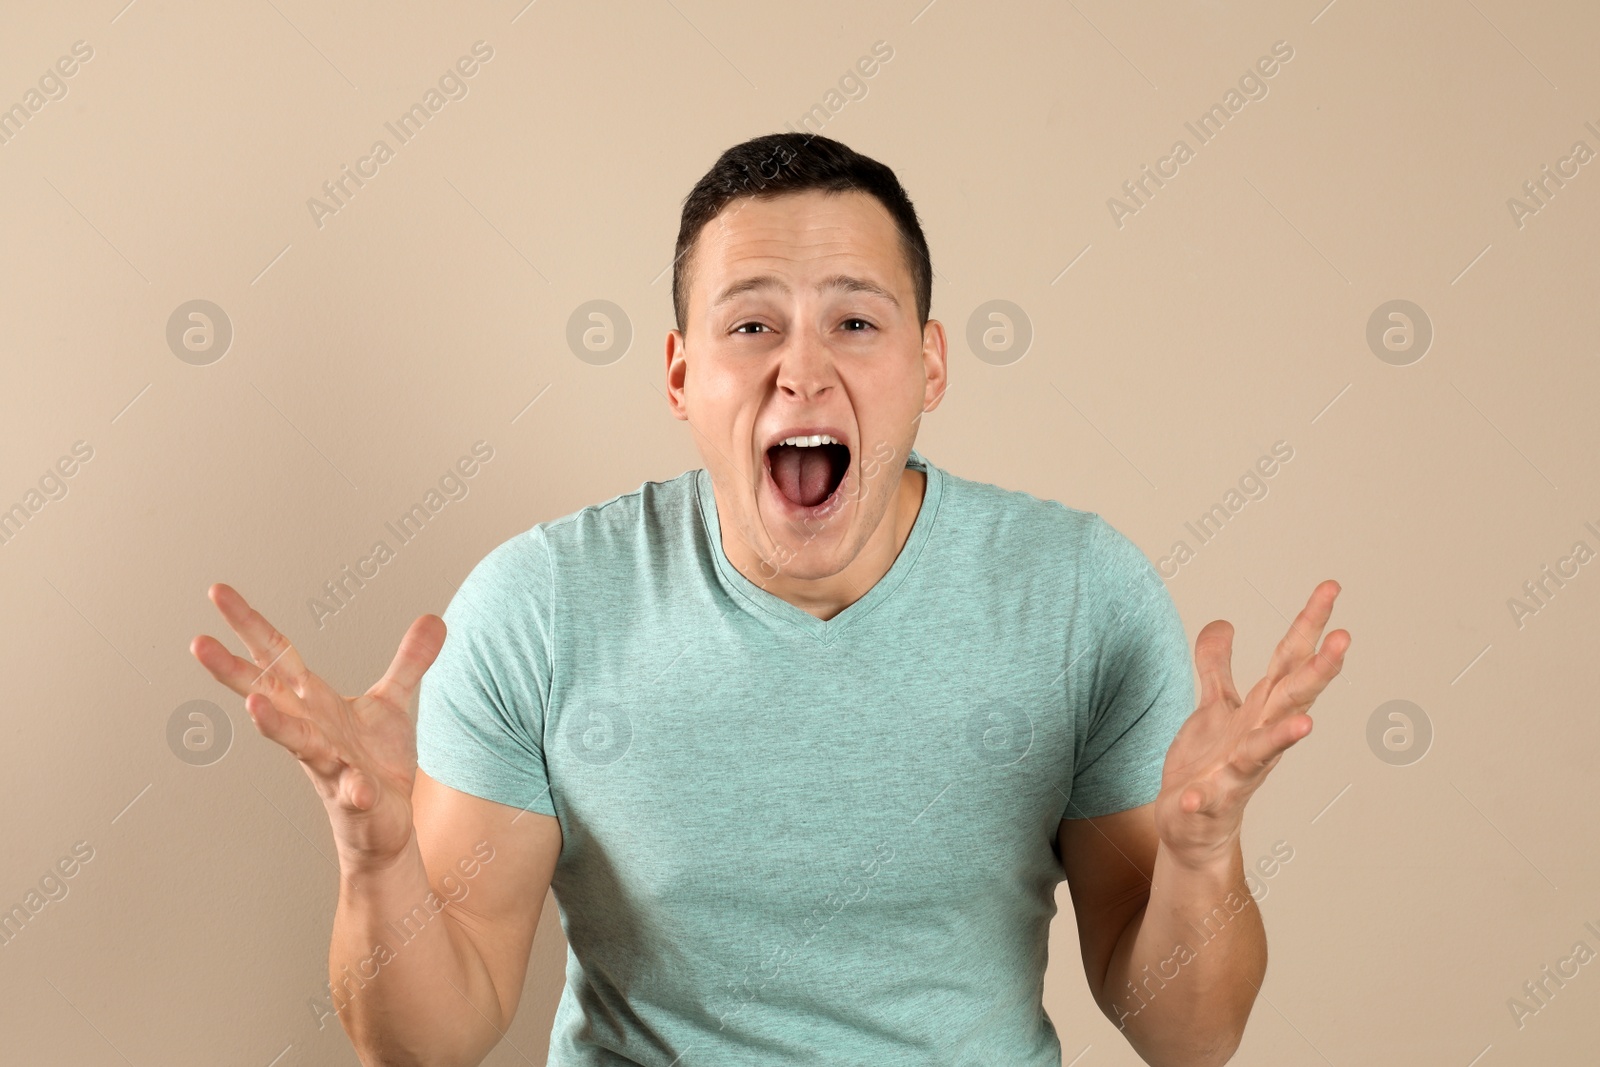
x=844 y=282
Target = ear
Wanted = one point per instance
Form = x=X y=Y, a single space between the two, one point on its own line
x=935 y=364
x=677 y=375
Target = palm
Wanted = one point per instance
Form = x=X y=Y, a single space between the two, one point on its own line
x=366 y=760
x=1225 y=749
x=359 y=752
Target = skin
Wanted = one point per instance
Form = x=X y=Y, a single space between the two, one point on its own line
x=774 y=357
x=816 y=354
x=1145 y=880
x=450 y=992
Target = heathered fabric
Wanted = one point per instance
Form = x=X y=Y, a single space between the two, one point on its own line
x=791 y=841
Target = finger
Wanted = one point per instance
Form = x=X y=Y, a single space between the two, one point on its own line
x=269 y=648
x=277 y=711
x=418 y=649
x=299 y=735
x=1300 y=690
x=1304 y=632
x=1213 y=660
x=260 y=690
x=357 y=790
x=1260 y=749
x=242 y=676
x=1201 y=797
x=1245 y=770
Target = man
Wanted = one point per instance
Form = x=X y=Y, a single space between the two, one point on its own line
x=805 y=739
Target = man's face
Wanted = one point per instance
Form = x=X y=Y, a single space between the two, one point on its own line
x=802 y=322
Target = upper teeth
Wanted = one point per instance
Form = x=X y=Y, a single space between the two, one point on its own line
x=808 y=442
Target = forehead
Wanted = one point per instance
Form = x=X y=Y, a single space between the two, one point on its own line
x=810 y=231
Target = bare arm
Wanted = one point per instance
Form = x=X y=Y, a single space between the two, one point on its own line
x=1175 y=964
x=429 y=953
x=1173 y=944
x=439 y=892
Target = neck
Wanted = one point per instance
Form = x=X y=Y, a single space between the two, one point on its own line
x=828 y=596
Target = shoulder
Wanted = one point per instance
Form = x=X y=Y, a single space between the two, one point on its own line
x=652 y=506
x=1022 y=538
x=616 y=536
x=626 y=532
x=1015 y=522
x=511 y=575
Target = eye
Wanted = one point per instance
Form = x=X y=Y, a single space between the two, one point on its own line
x=742 y=325
x=863 y=322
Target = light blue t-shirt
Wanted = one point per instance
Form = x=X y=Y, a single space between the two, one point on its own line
x=796 y=841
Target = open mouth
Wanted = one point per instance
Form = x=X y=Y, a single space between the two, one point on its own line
x=806 y=472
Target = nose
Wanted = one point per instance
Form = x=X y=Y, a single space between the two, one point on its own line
x=805 y=366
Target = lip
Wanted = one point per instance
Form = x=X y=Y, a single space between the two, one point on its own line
x=810 y=431
x=834 y=501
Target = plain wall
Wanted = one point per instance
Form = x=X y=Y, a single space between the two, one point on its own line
x=1171 y=347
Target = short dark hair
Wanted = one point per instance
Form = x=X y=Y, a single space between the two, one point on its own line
x=778 y=163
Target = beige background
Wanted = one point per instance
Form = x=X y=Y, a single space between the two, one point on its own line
x=368 y=354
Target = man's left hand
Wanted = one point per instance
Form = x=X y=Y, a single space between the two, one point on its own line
x=1226 y=748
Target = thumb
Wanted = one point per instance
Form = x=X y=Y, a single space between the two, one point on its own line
x=357 y=791
x=1213 y=659
x=418 y=649
x=1194 y=797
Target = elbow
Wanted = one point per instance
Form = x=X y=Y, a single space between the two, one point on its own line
x=1212 y=1055
x=1209 y=1046
x=1216 y=1055
x=381 y=1055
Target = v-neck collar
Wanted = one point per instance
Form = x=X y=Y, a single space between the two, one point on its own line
x=759 y=600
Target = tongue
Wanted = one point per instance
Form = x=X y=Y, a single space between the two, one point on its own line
x=802 y=474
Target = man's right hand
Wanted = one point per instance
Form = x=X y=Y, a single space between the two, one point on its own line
x=359 y=752
x=450 y=994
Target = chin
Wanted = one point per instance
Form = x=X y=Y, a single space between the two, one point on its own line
x=816 y=515
x=810 y=563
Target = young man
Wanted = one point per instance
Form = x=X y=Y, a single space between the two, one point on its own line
x=803 y=740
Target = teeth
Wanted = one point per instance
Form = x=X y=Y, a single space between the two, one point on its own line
x=810 y=442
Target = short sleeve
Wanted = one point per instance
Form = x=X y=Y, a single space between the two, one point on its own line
x=481 y=705
x=1143 y=685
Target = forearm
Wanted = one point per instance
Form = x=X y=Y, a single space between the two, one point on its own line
x=408 y=985
x=1186 y=970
